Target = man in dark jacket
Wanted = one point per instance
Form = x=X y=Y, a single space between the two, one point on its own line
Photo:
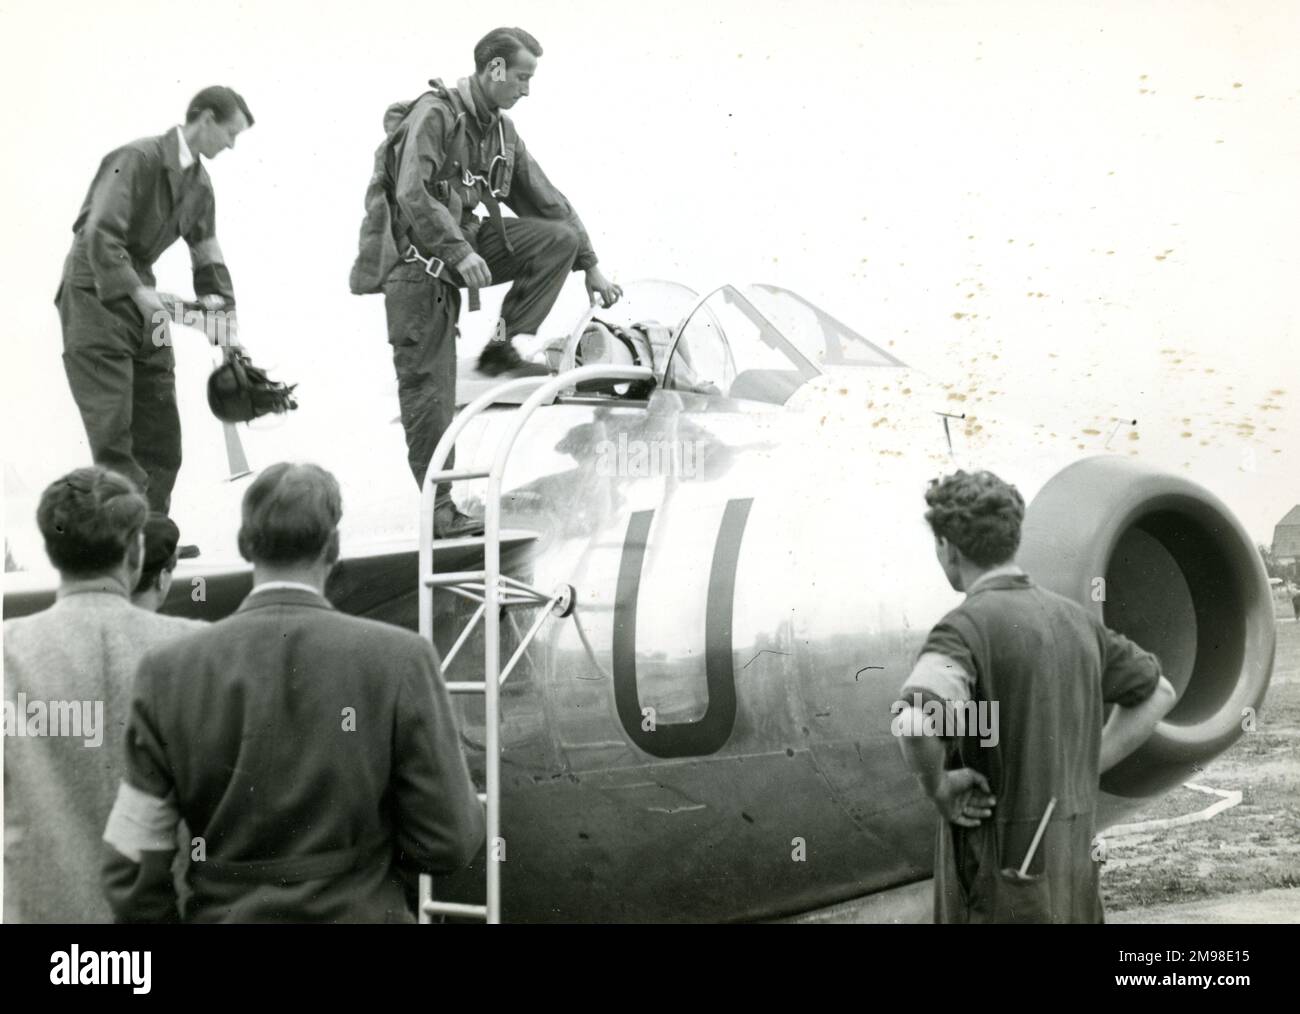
x=116 y=347
x=447 y=153
x=312 y=755
x=1029 y=672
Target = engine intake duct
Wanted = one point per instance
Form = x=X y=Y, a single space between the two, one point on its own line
x=1165 y=563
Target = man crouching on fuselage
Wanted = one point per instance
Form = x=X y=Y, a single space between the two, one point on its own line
x=447 y=152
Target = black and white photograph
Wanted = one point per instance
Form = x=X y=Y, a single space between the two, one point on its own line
x=813 y=462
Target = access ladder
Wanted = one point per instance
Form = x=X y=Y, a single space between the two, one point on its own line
x=493 y=591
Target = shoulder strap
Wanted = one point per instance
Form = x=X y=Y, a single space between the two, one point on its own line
x=458 y=149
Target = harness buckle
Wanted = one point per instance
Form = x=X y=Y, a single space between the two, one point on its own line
x=432 y=265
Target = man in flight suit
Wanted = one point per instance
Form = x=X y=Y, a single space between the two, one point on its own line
x=448 y=152
x=1049 y=666
x=116 y=347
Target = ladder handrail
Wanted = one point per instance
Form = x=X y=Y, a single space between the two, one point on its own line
x=429 y=489
x=545 y=394
x=493 y=593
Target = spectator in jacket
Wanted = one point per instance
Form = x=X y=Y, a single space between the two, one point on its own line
x=67 y=683
x=313 y=755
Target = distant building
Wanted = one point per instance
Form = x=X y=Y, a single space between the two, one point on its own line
x=1286 y=537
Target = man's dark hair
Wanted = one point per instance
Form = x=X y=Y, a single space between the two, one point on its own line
x=224 y=103
x=505 y=43
x=90 y=519
x=978 y=513
x=289 y=514
x=160 y=538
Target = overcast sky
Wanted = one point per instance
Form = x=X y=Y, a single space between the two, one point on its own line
x=1090 y=208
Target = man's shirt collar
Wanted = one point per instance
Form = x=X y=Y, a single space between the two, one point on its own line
x=107 y=584
x=1001 y=571
x=472 y=92
x=278 y=585
x=183 y=152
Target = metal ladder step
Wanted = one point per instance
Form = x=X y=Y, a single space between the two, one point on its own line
x=455 y=908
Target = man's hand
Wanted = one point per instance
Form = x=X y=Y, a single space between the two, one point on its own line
x=219 y=324
x=222 y=329
x=599 y=285
x=157 y=311
x=1128 y=728
x=963 y=797
x=150 y=303
x=474 y=271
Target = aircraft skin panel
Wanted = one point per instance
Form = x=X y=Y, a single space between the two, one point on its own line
x=703 y=840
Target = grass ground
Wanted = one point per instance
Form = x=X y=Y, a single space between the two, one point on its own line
x=1251 y=847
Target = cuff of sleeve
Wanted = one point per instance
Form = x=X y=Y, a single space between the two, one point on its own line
x=941 y=676
x=452 y=253
x=140 y=823
x=214 y=280
x=585 y=261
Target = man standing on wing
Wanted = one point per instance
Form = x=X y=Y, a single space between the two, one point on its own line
x=447 y=153
x=116 y=348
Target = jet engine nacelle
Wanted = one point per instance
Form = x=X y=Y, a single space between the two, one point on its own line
x=1166 y=564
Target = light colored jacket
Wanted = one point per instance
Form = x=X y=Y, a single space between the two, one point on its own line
x=68 y=670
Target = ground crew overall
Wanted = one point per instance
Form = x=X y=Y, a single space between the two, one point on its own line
x=116 y=347
x=1049 y=667
x=445 y=154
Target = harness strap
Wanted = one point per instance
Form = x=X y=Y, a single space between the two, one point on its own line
x=471 y=177
x=490 y=198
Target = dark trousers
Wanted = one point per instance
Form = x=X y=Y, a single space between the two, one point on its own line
x=544 y=251
x=122 y=372
x=422 y=324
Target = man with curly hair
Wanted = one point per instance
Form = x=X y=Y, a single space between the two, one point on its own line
x=1044 y=667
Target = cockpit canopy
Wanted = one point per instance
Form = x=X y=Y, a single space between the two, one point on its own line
x=762 y=344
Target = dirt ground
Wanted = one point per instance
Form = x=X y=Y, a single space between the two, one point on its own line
x=1243 y=864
